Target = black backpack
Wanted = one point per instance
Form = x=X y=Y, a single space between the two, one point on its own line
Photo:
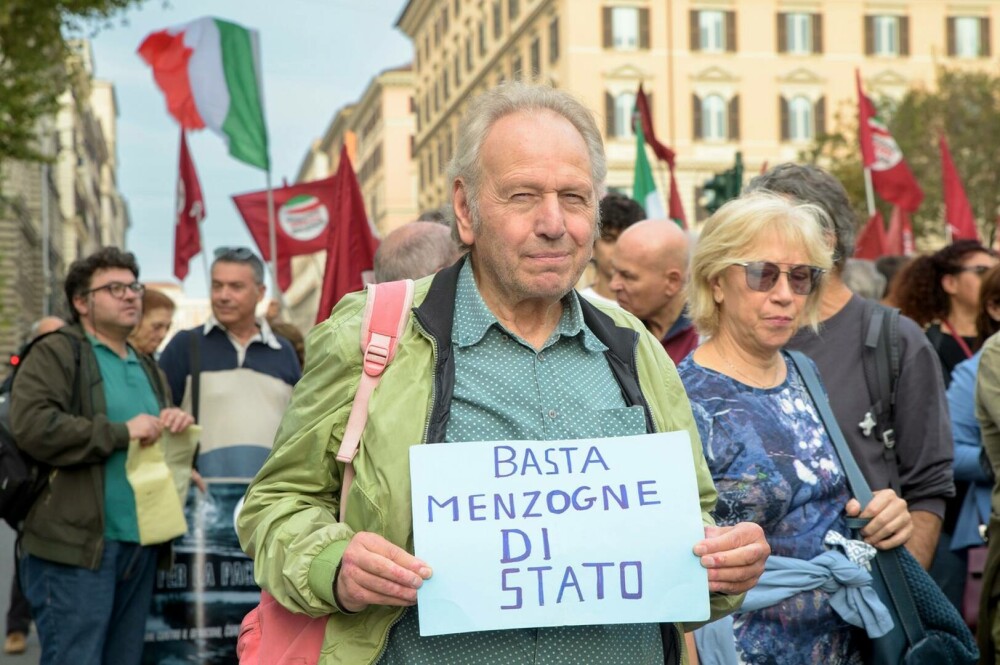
x=881 y=359
x=22 y=478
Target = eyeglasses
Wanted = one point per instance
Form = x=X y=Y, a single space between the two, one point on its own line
x=763 y=275
x=979 y=270
x=234 y=253
x=117 y=289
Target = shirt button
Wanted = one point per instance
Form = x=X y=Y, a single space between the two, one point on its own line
x=504 y=337
x=552 y=413
x=541 y=357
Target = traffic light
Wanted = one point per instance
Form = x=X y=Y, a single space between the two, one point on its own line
x=723 y=187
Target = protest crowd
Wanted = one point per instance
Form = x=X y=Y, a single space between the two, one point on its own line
x=836 y=422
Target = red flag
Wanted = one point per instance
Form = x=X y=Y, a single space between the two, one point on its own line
x=957 y=211
x=663 y=153
x=190 y=212
x=302 y=215
x=871 y=242
x=899 y=238
x=891 y=176
x=350 y=248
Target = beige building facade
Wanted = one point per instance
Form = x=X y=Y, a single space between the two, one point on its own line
x=763 y=77
x=54 y=213
x=378 y=132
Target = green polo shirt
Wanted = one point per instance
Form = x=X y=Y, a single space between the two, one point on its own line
x=506 y=390
x=128 y=393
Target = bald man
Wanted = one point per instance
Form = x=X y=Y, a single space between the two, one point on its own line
x=650 y=265
x=415 y=250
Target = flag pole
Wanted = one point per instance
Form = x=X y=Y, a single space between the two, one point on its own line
x=869 y=192
x=272 y=234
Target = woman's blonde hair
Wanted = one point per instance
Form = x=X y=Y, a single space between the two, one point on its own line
x=735 y=229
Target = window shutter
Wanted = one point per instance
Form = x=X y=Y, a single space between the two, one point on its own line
x=644 y=28
x=782 y=31
x=783 y=115
x=609 y=115
x=608 y=28
x=694 y=32
x=734 y=118
x=904 y=35
x=984 y=37
x=869 y=25
x=696 y=117
x=731 y=31
x=819 y=117
x=949 y=29
x=817 y=29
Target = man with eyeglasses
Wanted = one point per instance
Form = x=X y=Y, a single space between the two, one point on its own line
x=916 y=461
x=242 y=371
x=78 y=399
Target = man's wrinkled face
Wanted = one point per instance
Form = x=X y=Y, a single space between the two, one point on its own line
x=235 y=293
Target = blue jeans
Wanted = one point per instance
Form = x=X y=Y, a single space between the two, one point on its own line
x=92 y=617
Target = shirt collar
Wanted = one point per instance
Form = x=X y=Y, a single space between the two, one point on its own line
x=473 y=318
x=130 y=354
x=265 y=334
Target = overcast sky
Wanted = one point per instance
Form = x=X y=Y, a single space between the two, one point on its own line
x=317 y=55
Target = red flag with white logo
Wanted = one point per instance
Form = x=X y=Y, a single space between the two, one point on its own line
x=350 y=243
x=957 y=211
x=302 y=215
x=891 y=176
x=190 y=212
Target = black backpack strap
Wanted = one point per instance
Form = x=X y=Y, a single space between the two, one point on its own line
x=194 y=357
x=881 y=364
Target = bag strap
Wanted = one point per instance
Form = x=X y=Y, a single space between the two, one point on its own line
x=386 y=315
x=880 y=362
x=888 y=560
x=194 y=358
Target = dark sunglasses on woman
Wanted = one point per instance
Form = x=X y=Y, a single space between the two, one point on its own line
x=763 y=275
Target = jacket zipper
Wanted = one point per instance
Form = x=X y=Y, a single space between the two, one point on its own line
x=384 y=642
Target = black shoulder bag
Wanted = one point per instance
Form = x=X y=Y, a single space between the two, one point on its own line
x=928 y=629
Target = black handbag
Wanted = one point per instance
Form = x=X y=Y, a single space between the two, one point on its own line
x=927 y=630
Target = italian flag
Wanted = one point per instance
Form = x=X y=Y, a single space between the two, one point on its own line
x=643 y=186
x=209 y=71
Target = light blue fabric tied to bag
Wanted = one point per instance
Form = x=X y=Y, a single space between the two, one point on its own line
x=844 y=576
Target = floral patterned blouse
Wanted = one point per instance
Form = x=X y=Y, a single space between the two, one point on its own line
x=773 y=464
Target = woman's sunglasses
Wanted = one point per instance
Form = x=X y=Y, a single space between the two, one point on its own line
x=763 y=275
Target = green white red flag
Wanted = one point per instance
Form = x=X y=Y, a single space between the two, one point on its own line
x=643 y=186
x=663 y=153
x=209 y=72
x=891 y=176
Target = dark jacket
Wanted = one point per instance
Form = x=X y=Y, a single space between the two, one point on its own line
x=59 y=417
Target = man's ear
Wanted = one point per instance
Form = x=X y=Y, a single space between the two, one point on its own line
x=463 y=216
x=674 y=282
x=82 y=305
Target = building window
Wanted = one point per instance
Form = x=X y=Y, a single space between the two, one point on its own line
x=554 y=41
x=713 y=118
x=497 y=20
x=516 y=68
x=536 y=57
x=513 y=10
x=458 y=71
x=968 y=36
x=887 y=35
x=625 y=28
x=799 y=31
x=711 y=30
x=444 y=22
x=800 y=119
x=624 y=105
x=482 y=38
x=444 y=84
x=468 y=54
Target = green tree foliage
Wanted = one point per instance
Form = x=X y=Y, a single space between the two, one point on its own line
x=966 y=107
x=34 y=65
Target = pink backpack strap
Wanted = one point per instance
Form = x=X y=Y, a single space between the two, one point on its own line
x=386 y=315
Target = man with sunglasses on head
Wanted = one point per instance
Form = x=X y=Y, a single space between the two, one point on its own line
x=916 y=459
x=79 y=397
x=243 y=372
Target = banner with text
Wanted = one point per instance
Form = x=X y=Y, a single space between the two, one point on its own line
x=527 y=534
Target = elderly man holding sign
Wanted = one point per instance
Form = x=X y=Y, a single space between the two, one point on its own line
x=499 y=349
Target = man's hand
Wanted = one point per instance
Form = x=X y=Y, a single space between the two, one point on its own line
x=373 y=571
x=175 y=420
x=890 y=525
x=145 y=428
x=734 y=556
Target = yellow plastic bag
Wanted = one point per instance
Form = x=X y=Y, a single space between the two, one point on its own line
x=158 y=500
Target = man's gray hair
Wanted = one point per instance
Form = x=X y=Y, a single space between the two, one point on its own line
x=413 y=251
x=864 y=279
x=515 y=97
x=811 y=184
